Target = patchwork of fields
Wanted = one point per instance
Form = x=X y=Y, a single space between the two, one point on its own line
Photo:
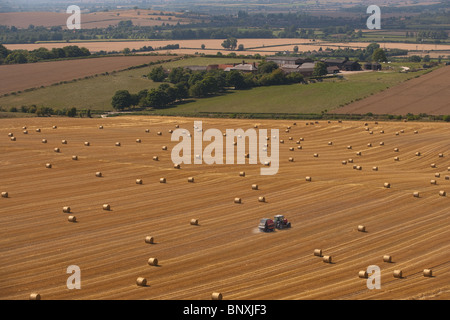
x=225 y=252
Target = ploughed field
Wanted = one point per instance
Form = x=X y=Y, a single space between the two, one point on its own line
x=225 y=252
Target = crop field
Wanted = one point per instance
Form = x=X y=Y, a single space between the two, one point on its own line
x=19 y=77
x=427 y=94
x=91 y=20
x=225 y=252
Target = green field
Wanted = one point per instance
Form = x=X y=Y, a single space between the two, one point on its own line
x=96 y=93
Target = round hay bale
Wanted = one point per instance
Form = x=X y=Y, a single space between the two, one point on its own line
x=447 y=177
x=281 y=141
x=376 y=122
x=382 y=131
x=44 y=140
x=237 y=200
x=149 y=239
x=354 y=166
x=318 y=252
x=234 y=143
x=366 y=124
x=138 y=181
x=387 y=185
x=25 y=132
x=247 y=155
x=267 y=138
x=152 y=262
x=367 y=129
x=350 y=160
x=191 y=179
x=326 y=259
x=290 y=138
x=56 y=150
x=433 y=182
x=291 y=149
x=437 y=175
x=291 y=159
x=330 y=143
x=138 y=141
x=442 y=193
x=72 y=219
x=418 y=154
x=448 y=169
x=155 y=158
x=162 y=180
x=66 y=209
x=381 y=143
x=255 y=126
x=267 y=163
x=10 y=134
x=159 y=133
x=48 y=165
x=100 y=127
x=75 y=158
x=141 y=282
x=262 y=199
x=4 y=194
x=363 y=274
x=416 y=194
x=396 y=150
x=176 y=166
x=416 y=132
x=369 y=145
x=170 y=131
x=375 y=168
x=344 y=162
x=297 y=142
x=98 y=174
x=397 y=133
x=361 y=228
x=349 y=147
x=118 y=144
x=396 y=159
x=147 y=130
x=441 y=155
x=358 y=168
x=164 y=148
x=216 y=296
x=427 y=273
x=106 y=207
x=255 y=187
x=316 y=155
x=371 y=132
x=38 y=130
x=64 y=141
x=299 y=147
x=302 y=139
x=35 y=296
x=87 y=143
x=55 y=127
x=177 y=126
x=287 y=131
x=194 y=222
x=242 y=174
x=387 y=258
x=358 y=153
x=402 y=131
x=398 y=274
x=308 y=179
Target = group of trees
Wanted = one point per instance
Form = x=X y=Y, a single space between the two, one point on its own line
x=181 y=83
x=24 y=56
x=43 y=111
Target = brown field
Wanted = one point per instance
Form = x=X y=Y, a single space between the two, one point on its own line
x=225 y=252
x=91 y=20
x=24 y=76
x=428 y=94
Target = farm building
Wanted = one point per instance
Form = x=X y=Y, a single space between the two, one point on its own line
x=351 y=66
x=288 y=60
x=335 y=62
x=307 y=68
x=333 y=70
x=244 y=67
x=372 y=66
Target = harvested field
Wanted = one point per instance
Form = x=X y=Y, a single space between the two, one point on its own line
x=428 y=94
x=218 y=254
x=139 y=17
x=31 y=75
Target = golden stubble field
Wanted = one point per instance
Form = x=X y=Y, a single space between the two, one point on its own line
x=225 y=252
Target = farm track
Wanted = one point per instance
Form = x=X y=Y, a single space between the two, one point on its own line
x=225 y=252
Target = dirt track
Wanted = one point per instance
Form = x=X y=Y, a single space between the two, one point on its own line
x=31 y=75
x=225 y=252
x=428 y=94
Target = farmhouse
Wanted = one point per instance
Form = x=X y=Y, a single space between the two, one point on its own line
x=307 y=69
x=351 y=66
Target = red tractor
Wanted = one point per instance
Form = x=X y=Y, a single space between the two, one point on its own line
x=281 y=222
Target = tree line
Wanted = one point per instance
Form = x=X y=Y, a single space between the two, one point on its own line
x=25 y=56
x=182 y=83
